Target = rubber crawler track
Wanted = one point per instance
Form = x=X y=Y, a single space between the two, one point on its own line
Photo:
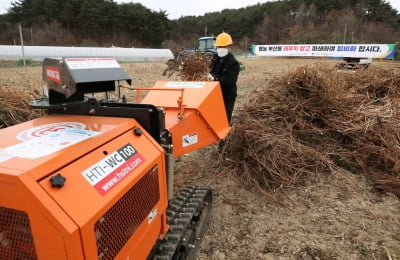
x=188 y=215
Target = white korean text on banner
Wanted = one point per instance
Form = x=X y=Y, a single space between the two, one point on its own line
x=382 y=51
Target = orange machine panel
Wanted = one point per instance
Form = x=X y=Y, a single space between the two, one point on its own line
x=51 y=142
x=80 y=187
x=195 y=113
x=29 y=223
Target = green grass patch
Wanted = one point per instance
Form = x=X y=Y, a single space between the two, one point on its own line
x=19 y=63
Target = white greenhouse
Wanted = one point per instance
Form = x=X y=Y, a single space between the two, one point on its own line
x=38 y=53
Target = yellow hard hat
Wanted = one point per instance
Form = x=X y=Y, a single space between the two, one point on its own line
x=223 y=40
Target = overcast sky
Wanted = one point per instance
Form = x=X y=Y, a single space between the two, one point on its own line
x=178 y=8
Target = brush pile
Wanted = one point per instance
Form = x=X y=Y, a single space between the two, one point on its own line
x=190 y=66
x=14 y=106
x=315 y=119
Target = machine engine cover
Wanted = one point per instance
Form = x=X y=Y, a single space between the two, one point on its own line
x=85 y=187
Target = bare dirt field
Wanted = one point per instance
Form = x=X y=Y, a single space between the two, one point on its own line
x=333 y=216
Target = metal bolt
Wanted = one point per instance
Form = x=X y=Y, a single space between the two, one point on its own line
x=137 y=132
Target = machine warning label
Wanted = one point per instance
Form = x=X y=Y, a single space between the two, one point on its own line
x=49 y=143
x=152 y=215
x=190 y=139
x=48 y=129
x=110 y=171
x=184 y=84
x=91 y=63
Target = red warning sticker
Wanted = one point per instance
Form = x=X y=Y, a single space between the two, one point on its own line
x=53 y=74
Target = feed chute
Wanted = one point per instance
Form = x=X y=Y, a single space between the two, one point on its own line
x=194 y=113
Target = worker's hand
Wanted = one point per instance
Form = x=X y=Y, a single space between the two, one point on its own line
x=210 y=77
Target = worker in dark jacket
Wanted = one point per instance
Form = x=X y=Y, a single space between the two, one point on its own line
x=225 y=69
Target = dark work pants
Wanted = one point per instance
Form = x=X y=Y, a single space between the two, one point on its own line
x=229 y=105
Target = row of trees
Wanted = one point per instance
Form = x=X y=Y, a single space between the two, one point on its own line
x=106 y=23
x=87 y=22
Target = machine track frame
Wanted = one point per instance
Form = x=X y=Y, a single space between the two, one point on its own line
x=188 y=215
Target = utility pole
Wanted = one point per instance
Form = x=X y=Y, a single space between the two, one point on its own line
x=22 y=43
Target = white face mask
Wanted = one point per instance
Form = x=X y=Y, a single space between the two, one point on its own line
x=222 y=52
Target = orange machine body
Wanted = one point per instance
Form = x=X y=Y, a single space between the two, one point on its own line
x=194 y=113
x=80 y=187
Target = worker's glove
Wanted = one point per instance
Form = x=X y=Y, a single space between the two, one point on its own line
x=210 y=77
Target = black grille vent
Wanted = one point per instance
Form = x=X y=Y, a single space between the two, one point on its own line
x=16 y=241
x=119 y=223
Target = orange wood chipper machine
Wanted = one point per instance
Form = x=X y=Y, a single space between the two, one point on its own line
x=93 y=178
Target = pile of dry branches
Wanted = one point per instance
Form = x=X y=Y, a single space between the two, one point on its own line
x=190 y=66
x=14 y=106
x=315 y=119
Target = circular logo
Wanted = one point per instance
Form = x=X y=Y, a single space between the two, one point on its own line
x=47 y=129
